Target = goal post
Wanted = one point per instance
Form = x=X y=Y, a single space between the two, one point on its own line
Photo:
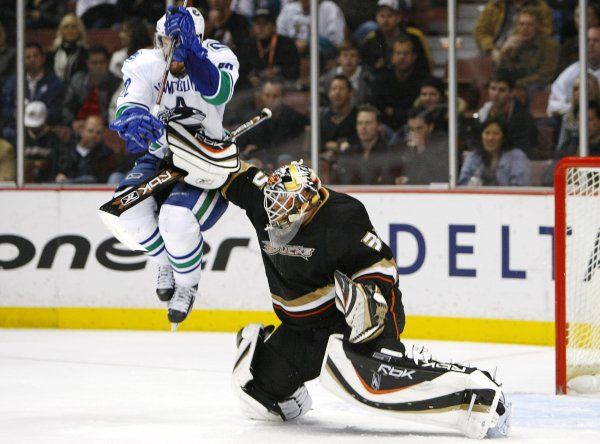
x=577 y=274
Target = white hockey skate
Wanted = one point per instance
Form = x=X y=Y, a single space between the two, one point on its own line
x=165 y=283
x=181 y=304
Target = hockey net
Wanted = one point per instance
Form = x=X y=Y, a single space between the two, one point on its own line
x=577 y=274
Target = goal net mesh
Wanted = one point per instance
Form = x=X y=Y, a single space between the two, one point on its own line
x=582 y=271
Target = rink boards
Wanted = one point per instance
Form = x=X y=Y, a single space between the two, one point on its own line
x=472 y=266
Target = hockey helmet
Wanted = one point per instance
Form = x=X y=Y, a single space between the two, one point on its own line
x=160 y=27
x=291 y=191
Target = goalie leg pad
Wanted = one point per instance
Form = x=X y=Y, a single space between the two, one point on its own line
x=425 y=391
x=255 y=402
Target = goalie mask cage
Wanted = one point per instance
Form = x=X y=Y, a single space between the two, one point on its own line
x=577 y=274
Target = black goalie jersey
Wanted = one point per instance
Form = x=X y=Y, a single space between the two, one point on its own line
x=339 y=236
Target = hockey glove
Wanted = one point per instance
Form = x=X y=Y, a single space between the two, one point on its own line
x=180 y=25
x=138 y=128
x=363 y=306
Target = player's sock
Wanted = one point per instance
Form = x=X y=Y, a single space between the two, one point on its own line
x=181 y=303
x=165 y=285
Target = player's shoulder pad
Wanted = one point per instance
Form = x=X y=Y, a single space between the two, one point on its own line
x=143 y=59
x=221 y=55
x=347 y=209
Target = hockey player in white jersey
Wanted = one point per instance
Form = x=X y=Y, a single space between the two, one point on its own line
x=201 y=81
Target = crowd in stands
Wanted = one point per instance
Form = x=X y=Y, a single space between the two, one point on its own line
x=384 y=106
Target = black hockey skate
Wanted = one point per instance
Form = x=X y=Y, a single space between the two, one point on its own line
x=165 y=283
x=181 y=304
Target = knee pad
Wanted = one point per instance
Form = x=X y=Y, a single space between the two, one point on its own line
x=255 y=402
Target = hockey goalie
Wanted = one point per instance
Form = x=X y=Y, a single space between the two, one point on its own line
x=334 y=286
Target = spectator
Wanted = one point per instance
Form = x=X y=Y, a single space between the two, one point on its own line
x=432 y=97
x=497 y=162
x=90 y=92
x=569 y=49
x=377 y=50
x=44 y=14
x=423 y=158
x=151 y=11
x=89 y=160
x=280 y=136
x=247 y=8
x=348 y=64
x=41 y=85
x=8 y=162
x=338 y=121
x=359 y=17
x=503 y=106
x=494 y=24
x=226 y=26
x=397 y=86
x=7 y=56
x=69 y=49
x=134 y=36
x=528 y=54
x=97 y=13
x=41 y=145
x=367 y=157
x=571 y=146
x=267 y=54
x=294 y=22
x=560 y=93
x=569 y=129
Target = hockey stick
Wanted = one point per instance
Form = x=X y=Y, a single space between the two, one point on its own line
x=163 y=81
x=167 y=176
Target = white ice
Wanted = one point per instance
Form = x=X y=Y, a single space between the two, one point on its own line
x=71 y=386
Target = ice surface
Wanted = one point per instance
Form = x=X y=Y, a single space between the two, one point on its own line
x=77 y=386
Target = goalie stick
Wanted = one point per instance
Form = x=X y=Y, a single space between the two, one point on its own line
x=167 y=176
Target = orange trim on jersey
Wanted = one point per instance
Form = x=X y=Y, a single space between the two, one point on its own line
x=377 y=392
x=304 y=314
x=376 y=276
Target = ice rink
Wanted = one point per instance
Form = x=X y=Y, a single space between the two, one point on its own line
x=76 y=386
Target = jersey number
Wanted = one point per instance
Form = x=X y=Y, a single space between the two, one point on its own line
x=372 y=241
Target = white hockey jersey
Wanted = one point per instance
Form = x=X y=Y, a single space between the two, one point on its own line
x=142 y=74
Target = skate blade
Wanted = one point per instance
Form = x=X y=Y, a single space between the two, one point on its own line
x=174 y=326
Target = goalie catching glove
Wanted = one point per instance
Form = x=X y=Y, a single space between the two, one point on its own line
x=363 y=306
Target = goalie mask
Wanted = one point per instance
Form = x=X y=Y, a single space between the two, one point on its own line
x=291 y=192
x=160 y=37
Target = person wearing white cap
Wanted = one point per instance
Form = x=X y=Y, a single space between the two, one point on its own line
x=41 y=145
x=377 y=50
x=40 y=85
x=294 y=21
